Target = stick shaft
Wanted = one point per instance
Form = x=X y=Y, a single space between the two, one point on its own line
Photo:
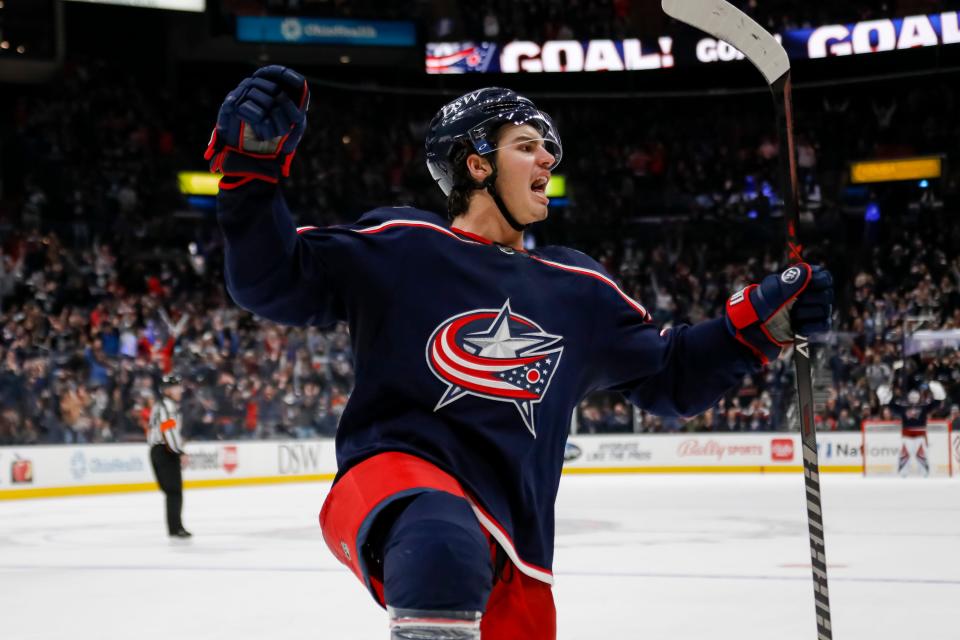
x=722 y=20
x=783 y=100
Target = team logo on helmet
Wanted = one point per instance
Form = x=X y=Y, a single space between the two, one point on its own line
x=460 y=103
x=494 y=354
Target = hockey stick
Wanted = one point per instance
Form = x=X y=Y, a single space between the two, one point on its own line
x=724 y=21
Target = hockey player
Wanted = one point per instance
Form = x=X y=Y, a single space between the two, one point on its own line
x=471 y=353
x=913 y=415
x=166 y=450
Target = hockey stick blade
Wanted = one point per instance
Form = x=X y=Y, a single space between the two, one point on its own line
x=724 y=21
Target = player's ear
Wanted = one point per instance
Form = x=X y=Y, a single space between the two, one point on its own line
x=478 y=167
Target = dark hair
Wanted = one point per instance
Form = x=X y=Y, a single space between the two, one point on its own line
x=463 y=183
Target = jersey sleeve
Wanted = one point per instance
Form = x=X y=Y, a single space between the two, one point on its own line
x=897 y=409
x=277 y=272
x=681 y=371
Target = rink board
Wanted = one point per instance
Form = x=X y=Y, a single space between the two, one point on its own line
x=63 y=470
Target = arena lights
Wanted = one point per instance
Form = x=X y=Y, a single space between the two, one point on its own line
x=198 y=183
x=557 y=187
x=202 y=203
x=918 y=168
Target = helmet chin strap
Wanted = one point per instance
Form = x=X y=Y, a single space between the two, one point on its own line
x=491 y=188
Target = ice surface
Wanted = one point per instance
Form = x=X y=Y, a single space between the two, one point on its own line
x=652 y=557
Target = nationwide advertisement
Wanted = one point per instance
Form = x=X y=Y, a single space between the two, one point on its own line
x=664 y=52
x=320 y=31
x=843 y=448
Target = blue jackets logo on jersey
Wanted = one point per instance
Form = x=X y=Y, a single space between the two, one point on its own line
x=494 y=354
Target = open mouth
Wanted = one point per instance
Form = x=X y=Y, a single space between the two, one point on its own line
x=539 y=187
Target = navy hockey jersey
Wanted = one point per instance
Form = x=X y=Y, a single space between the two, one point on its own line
x=914 y=417
x=469 y=354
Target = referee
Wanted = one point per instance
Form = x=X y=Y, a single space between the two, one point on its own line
x=166 y=450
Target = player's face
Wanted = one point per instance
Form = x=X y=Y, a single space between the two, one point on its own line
x=523 y=170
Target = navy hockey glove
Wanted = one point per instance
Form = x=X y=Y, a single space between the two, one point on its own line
x=259 y=126
x=766 y=316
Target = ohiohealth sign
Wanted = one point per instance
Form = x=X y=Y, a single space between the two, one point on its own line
x=872 y=36
x=321 y=31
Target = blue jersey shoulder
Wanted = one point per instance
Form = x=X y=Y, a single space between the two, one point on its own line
x=570 y=257
x=381 y=215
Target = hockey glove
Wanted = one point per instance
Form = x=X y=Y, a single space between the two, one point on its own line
x=259 y=126
x=765 y=317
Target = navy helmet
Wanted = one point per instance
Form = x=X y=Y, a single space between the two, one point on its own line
x=473 y=118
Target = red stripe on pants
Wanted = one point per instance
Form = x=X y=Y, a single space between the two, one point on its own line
x=519 y=606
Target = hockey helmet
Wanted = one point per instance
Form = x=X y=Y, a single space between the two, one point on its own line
x=170 y=380
x=473 y=118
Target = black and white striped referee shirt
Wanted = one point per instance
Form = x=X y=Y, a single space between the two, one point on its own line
x=165 y=421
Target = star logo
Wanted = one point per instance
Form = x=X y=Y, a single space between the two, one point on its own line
x=494 y=354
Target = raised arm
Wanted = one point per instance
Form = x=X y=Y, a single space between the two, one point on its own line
x=270 y=269
x=274 y=271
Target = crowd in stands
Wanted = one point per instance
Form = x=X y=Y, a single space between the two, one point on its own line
x=108 y=278
x=907 y=283
x=81 y=354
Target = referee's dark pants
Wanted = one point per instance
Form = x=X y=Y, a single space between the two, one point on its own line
x=166 y=466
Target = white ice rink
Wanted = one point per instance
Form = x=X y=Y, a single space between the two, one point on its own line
x=649 y=557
